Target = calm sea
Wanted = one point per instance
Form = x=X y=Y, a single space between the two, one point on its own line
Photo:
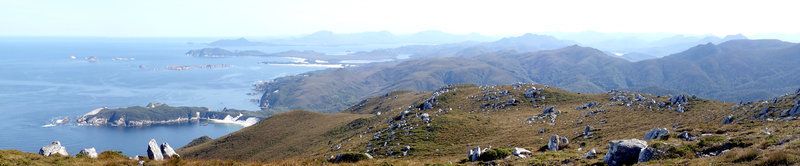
x=40 y=83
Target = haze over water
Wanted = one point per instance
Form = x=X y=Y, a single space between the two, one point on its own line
x=39 y=84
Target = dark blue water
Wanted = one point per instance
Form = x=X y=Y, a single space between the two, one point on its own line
x=39 y=83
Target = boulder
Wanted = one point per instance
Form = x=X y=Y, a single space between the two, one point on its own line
x=368 y=155
x=685 y=135
x=795 y=109
x=475 y=154
x=797 y=92
x=167 y=151
x=153 y=151
x=521 y=152
x=728 y=119
x=590 y=154
x=425 y=117
x=90 y=152
x=648 y=154
x=587 y=131
x=587 y=105
x=53 y=148
x=548 y=110
x=624 y=152
x=557 y=142
x=656 y=133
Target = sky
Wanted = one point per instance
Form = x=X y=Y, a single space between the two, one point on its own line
x=206 y=18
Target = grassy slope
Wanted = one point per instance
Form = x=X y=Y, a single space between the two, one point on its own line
x=291 y=134
x=302 y=138
x=446 y=139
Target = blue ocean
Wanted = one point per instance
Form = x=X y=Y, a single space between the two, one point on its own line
x=46 y=79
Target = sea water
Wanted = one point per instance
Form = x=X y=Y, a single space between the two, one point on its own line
x=40 y=83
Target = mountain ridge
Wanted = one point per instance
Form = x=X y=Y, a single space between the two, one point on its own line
x=715 y=74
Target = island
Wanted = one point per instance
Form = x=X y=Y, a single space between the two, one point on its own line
x=157 y=113
x=312 y=57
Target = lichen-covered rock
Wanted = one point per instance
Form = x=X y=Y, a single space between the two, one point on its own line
x=54 y=148
x=167 y=151
x=624 y=152
x=153 y=151
x=656 y=133
x=90 y=152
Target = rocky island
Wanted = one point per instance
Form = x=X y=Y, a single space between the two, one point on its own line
x=157 y=113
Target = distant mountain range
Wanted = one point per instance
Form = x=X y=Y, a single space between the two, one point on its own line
x=731 y=71
x=631 y=47
x=328 y=38
x=637 y=47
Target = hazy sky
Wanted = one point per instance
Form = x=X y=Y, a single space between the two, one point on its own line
x=149 y=18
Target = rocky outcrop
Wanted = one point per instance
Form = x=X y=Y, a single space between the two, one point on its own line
x=90 y=152
x=795 y=109
x=656 y=133
x=167 y=151
x=680 y=99
x=728 y=119
x=54 y=148
x=557 y=142
x=624 y=152
x=153 y=151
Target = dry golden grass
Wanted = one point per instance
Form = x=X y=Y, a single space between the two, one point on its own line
x=453 y=132
x=306 y=138
x=291 y=134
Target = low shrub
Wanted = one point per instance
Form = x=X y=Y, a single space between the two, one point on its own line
x=494 y=154
x=352 y=157
x=746 y=155
x=778 y=158
x=110 y=155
